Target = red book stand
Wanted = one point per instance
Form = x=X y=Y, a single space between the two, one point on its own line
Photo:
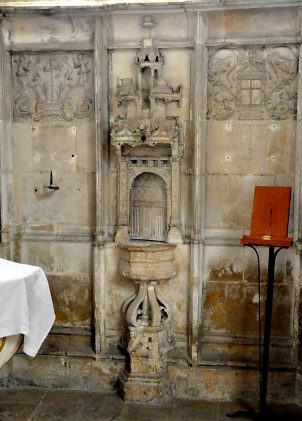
x=270 y=217
x=269 y=228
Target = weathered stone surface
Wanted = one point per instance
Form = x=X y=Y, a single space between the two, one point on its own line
x=58 y=257
x=230 y=197
x=165 y=29
x=213 y=298
x=69 y=199
x=220 y=384
x=72 y=344
x=72 y=298
x=243 y=351
x=50 y=29
x=41 y=404
x=65 y=372
x=252 y=23
x=233 y=308
x=237 y=147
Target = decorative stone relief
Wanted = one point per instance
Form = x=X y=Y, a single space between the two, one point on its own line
x=281 y=83
x=58 y=84
x=222 y=84
x=252 y=83
x=149 y=147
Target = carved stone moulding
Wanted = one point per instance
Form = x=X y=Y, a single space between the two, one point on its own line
x=252 y=83
x=52 y=84
x=144 y=133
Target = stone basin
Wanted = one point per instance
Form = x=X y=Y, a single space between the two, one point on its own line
x=147 y=261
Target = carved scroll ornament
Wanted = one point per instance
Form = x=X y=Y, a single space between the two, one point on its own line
x=222 y=85
x=252 y=83
x=52 y=85
x=281 y=84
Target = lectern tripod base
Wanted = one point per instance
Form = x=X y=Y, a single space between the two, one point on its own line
x=269 y=228
x=264 y=412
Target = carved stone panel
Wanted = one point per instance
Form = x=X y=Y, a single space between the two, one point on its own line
x=252 y=83
x=52 y=84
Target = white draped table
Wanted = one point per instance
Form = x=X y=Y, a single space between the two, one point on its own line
x=25 y=308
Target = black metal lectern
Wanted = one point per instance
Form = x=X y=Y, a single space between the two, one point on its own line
x=269 y=228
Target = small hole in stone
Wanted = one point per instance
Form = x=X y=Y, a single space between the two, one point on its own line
x=143 y=138
x=72 y=156
x=36 y=190
x=150 y=340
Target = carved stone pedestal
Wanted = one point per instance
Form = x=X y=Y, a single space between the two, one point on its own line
x=145 y=377
x=148 y=318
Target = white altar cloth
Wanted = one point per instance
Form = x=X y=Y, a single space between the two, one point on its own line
x=25 y=304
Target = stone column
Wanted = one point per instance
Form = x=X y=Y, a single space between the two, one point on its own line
x=297 y=236
x=198 y=181
x=174 y=234
x=6 y=164
x=122 y=233
x=101 y=33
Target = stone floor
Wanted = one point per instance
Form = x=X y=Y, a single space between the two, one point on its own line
x=46 y=405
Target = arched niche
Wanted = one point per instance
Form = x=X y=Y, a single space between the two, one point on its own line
x=148 y=208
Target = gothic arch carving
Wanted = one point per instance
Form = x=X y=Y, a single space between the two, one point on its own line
x=148 y=207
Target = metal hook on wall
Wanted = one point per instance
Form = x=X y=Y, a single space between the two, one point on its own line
x=51 y=186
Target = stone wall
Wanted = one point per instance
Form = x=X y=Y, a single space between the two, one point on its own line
x=240 y=124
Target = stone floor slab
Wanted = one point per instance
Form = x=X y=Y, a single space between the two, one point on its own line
x=51 y=405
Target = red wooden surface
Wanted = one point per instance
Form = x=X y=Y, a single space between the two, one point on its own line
x=270 y=217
